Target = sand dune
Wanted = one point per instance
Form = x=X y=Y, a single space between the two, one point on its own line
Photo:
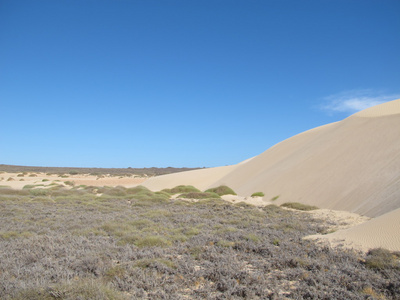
x=351 y=165
x=202 y=178
x=382 y=232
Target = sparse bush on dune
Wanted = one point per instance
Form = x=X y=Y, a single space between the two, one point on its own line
x=221 y=190
x=275 y=198
x=72 y=244
x=181 y=189
x=257 y=194
x=298 y=206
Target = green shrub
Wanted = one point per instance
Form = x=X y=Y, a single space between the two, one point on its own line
x=298 y=206
x=137 y=189
x=181 y=189
x=257 y=194
x=200 y=195
x=39 y=192
x=275 y=198
x=221 y=190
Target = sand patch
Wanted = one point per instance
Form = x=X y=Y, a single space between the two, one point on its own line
x=380 y=232
x=19 y=180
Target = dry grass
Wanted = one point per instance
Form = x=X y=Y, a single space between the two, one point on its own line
x=136 y=244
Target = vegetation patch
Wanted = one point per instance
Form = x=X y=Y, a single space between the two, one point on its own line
x=200 y=195
x=73 y=244
x=221 y=190
x=382 y=259
x=181 y=189
x=257 y=194
x=299 y=206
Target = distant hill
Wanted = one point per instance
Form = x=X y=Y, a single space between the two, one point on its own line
x=112 y=171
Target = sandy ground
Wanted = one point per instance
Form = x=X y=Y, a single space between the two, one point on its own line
x=17 y=181
x=383 y=231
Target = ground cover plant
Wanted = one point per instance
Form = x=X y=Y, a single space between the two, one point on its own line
x=118 y=243
x=222 y=190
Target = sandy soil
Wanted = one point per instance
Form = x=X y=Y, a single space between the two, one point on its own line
x=17 y=181
x=383 y=231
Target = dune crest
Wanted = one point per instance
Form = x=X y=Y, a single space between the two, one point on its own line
x=384 y=109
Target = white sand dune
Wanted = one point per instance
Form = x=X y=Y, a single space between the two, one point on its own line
x=351 y=165
x=202 y=178
x=383 y=231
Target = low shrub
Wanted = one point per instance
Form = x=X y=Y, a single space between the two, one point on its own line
x=181 y=189
x=257 y=194
x=380 y=258
x=221 y=190
x=200 y=195
x=298 y=206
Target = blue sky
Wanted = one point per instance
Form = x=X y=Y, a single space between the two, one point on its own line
x=119 y=83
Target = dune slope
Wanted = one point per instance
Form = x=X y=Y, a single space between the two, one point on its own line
x=382 y=231
x=351 y=165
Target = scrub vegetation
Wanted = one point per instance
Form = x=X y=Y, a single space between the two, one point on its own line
x=221 y=190
x=299 y=206
x=131 y=243
x=62 y=171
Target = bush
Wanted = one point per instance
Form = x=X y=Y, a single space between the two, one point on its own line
x=200 y=195
x=381 y=259
x=137 y=189
x=257 y=194
x=221 y=190
x=299 y=206
x=181 y=189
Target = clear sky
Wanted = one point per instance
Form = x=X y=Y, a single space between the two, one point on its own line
x=185 y=83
